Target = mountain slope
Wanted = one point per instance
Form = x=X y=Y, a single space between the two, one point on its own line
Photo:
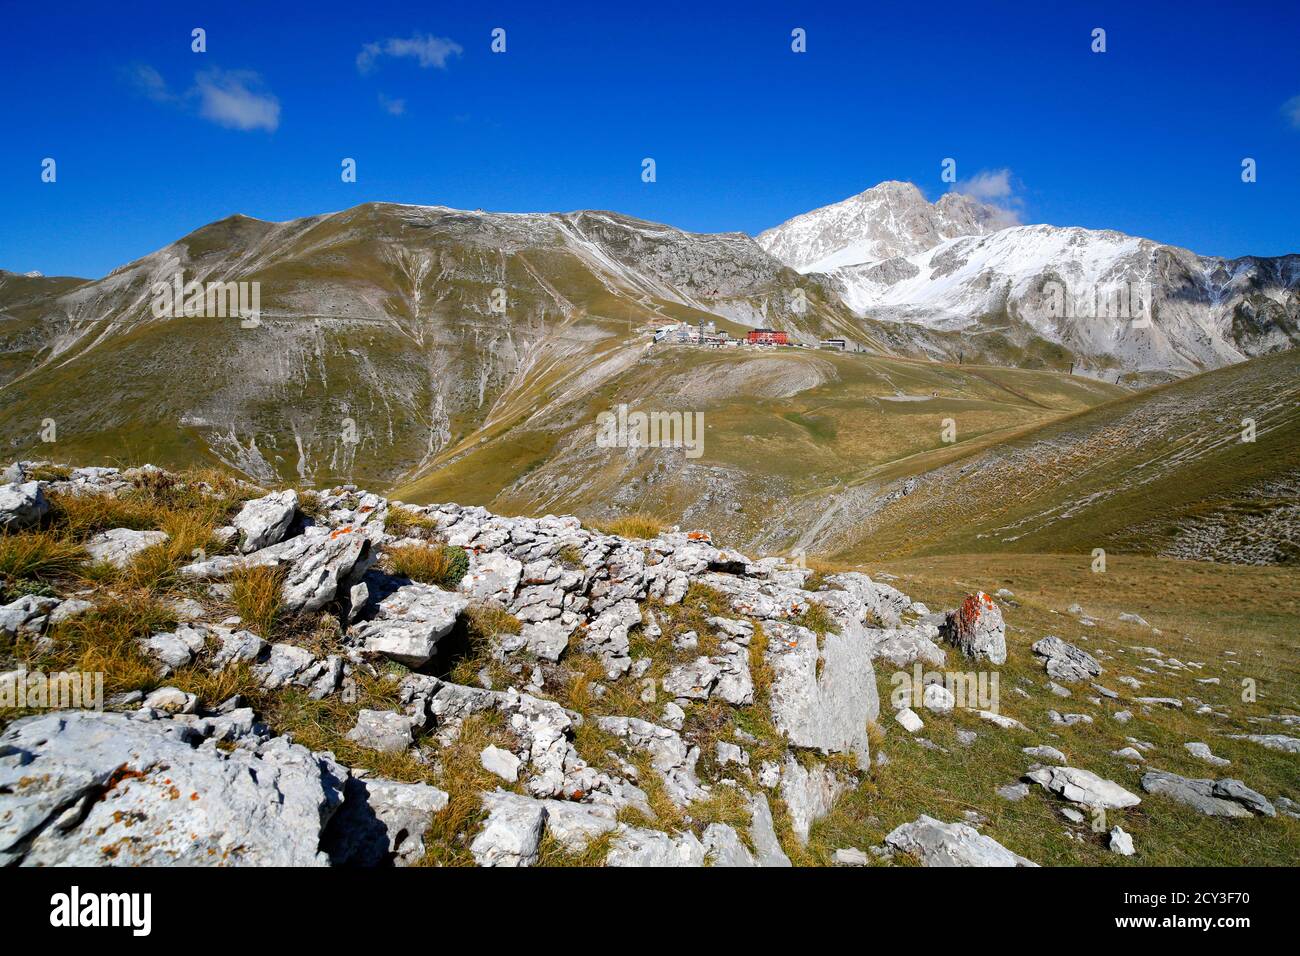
x=378 y=319
x=1161 y=472
x=888 y=220
x=1111 y=302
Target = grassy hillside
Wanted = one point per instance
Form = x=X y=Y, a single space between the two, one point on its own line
x=782 y=431
x=1162 y=471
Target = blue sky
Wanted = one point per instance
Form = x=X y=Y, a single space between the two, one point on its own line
x=152 y=140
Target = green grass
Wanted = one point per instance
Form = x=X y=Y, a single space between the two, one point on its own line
x=1202 y=611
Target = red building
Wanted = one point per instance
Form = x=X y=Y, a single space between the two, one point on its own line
x=767 y=337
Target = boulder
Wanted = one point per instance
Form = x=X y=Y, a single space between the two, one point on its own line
x=904 y=646
x=1201 y=751
x=1120 y=842
x=321 y=566
x=382 y=730
x=762 y=834
x=382 y=822
x=634 y=846
x=809 y=794
x=977 y=629
x=512 y=831
x=950 y=844
x=723 y=847
x=574 y=825
x=823 y=699
x=410 y=622
x=86 y=788
x=1083 y=787
x=263 y=522
x=120 y=546
x=1046 y=753
x=500 y=762
x=492 y=577
x=28 y=615
x=22 y=504
x=1214 y=798
x=1064 y=661
x=1280 y=742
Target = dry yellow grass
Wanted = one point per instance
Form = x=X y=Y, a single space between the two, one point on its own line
x=37 y=556
x=257 y=598
x=429 y=564
x=639 y=525
x=404 y=523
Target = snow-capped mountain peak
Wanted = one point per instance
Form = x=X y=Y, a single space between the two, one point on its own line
x=888 y=220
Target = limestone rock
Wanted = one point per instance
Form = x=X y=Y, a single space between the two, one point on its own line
x=81 y=788
x=950 y=844
x=500 y=762
x=1084 y=787
x=263 y=522
x=977 y=629
x=512 y=832
x=634 y=846
x=382 y=822
x=382 y=730
x=1214 y=798
x=120 y=546
x=22 y=504
x=410 y=622
x=1064 y=661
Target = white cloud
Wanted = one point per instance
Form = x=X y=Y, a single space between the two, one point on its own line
x=427 y=49
x=149 y=82
x=235 y=99
x=996 y=188
x=1292 y=110
x=392 y=107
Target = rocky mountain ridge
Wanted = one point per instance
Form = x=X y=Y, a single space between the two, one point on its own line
x=1112 y=300
x=657 y=701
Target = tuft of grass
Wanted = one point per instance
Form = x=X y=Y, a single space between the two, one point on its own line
x=551 y=853
x=41 y=556
x=462 y=775
x=106 y=640
x=83 y=516
x=639 y=525
x=438 y=564
x=817 y=619
x=474 y=641
x=727 y=805
x=258 y=600
x=49 y=473
x=570 y=556
x=405 y=523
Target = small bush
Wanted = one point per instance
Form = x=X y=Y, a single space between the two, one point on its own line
x=438 y=564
